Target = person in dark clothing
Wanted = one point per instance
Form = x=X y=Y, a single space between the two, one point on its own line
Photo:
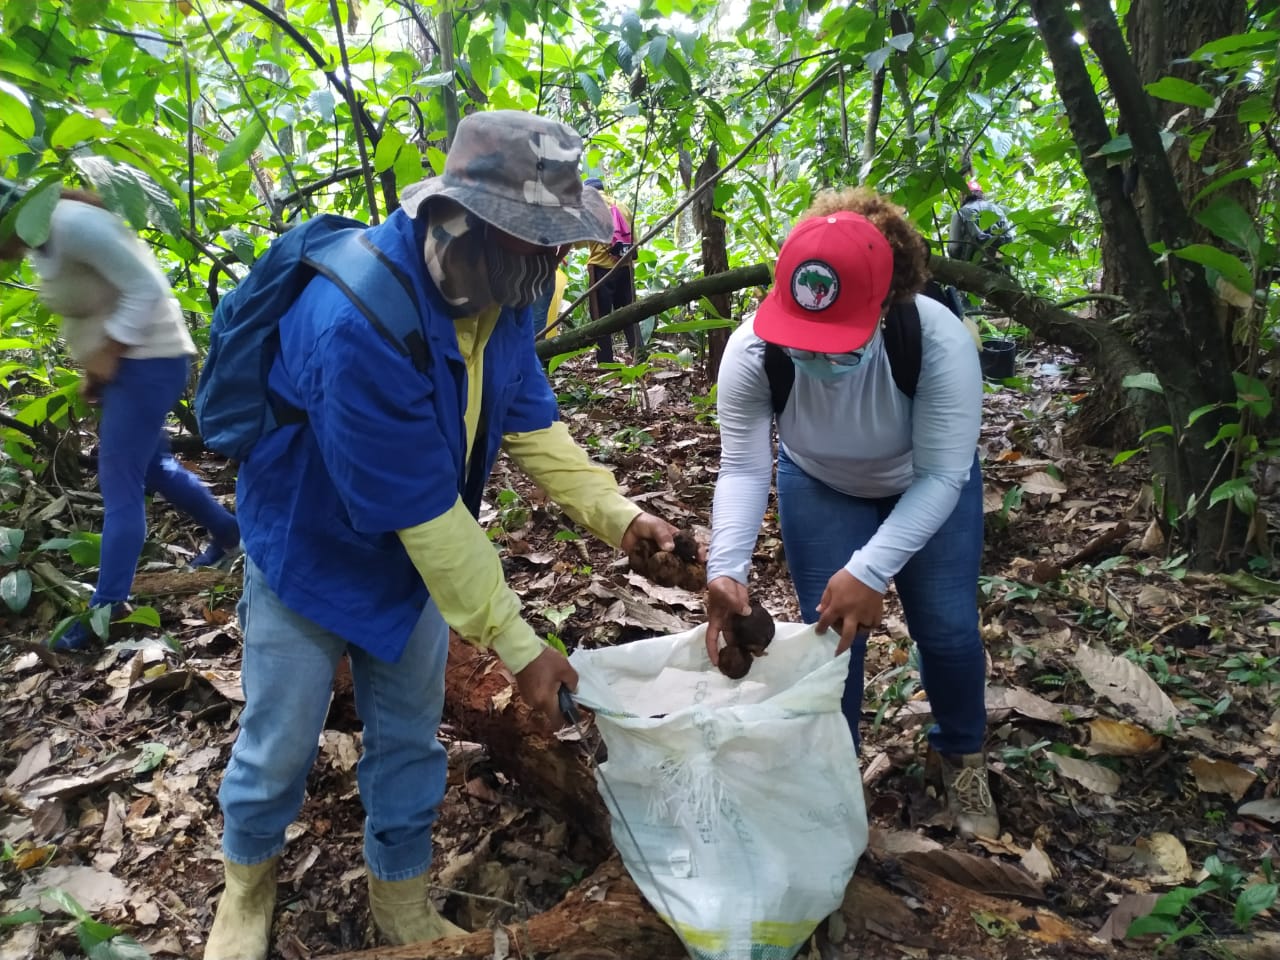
x=620 y=288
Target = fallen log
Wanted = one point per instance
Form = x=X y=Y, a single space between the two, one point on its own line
x=481 y=700
x=603 y=918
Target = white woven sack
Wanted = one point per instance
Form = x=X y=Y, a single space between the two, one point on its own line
x=744 y=795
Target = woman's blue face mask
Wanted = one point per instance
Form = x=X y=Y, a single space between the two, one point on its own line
x=825 y=366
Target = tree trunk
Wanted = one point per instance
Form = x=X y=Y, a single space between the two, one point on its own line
x=715 y=259
x=1172 y=325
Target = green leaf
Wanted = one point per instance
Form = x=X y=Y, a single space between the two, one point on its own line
x=1228 y=490
x=91 y=933
x=15 y=590
x=695 y=326
x=323 y=103
x=119 y=948
x=590 y=88
x=434 y=79
x=100 y=620
x=75 y=128
x=242 y=146
x=384 y=155
x=1254 y=40
x=554 y=363
x=15 y=108
x=67 y=903
x=632 y=32
x=436 y=158
x=1251 y=585
x=1253 y=393
x=10 y=543
x=34 y=214
x=30 y=915
x=1180 y=91
x=1114 y=146
x=1124 y=455
x=1228 y=265
x=1255 y=109
x=1142 y=381
x=1253 y=900
x=902 y=41
x=657 y=51
x=1153 y=923
x=152 y=756
x=147 y=616
x=1229 y=221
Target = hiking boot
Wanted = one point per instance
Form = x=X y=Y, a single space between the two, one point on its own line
x=964 y=778
x=404 y=914
x=242 y=925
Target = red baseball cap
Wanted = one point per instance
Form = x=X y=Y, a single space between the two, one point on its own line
x=829 y=286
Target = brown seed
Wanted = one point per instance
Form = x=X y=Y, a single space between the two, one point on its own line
x=734 y=662
x=754 y=632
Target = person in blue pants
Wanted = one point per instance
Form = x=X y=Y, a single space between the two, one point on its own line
x=122 y=323
x=873 y=484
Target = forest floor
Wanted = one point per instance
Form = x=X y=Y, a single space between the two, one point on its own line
x=1134 y=730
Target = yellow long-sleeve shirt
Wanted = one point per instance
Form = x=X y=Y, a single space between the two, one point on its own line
x=454 y=556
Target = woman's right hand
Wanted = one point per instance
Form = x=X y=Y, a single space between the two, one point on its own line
x=725 y=597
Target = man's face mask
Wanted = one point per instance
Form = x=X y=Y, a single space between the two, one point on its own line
x=825 y=366
x=516 y=279
x=476 y=266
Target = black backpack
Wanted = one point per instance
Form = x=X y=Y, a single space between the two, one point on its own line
x=902 y=342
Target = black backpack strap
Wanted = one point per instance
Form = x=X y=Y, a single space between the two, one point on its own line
x=904 y=344
x=781 y=373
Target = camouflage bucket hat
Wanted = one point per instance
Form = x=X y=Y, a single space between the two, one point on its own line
x=519 y=172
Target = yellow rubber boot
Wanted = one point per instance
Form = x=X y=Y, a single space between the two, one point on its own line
x=404 y=914
x=242 y=925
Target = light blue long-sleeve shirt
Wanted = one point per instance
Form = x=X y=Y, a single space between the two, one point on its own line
x=859 y=434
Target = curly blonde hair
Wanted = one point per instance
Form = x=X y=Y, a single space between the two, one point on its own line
x=910 y=249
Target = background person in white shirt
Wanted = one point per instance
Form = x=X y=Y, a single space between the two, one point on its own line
x=122 y=324
x=873 y=485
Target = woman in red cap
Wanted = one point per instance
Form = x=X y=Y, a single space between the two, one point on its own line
x=874 y=483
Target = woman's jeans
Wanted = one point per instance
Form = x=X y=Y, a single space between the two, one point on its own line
x=288 y=670
x=134 y=460
x=938 y=587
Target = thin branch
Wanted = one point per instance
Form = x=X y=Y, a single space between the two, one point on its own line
x=353 y=104
x=769 y=124
x=321 y=62
x=755 y=275
x=244 y=89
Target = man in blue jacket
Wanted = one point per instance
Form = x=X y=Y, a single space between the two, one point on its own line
x=359 y=521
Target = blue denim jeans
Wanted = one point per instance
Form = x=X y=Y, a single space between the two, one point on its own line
x=288 y=670
x=134 y=460
x=938 y=587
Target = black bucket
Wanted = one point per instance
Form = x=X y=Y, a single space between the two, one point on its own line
x=997 y=358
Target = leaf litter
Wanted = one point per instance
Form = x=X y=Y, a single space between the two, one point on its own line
x=1121 y=754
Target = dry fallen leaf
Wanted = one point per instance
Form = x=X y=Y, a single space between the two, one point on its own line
x=1219 y=776
x=1116 y=738
x=1164 y=858
x=1126 y=684
x=34 y=762
x=1267 y=810
x=1035 y=707
x=1037 y=863
x=1130 y=908
x=1041 y=482
x=1093 y=776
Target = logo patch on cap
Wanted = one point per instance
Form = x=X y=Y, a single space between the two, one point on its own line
x=814 y=285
